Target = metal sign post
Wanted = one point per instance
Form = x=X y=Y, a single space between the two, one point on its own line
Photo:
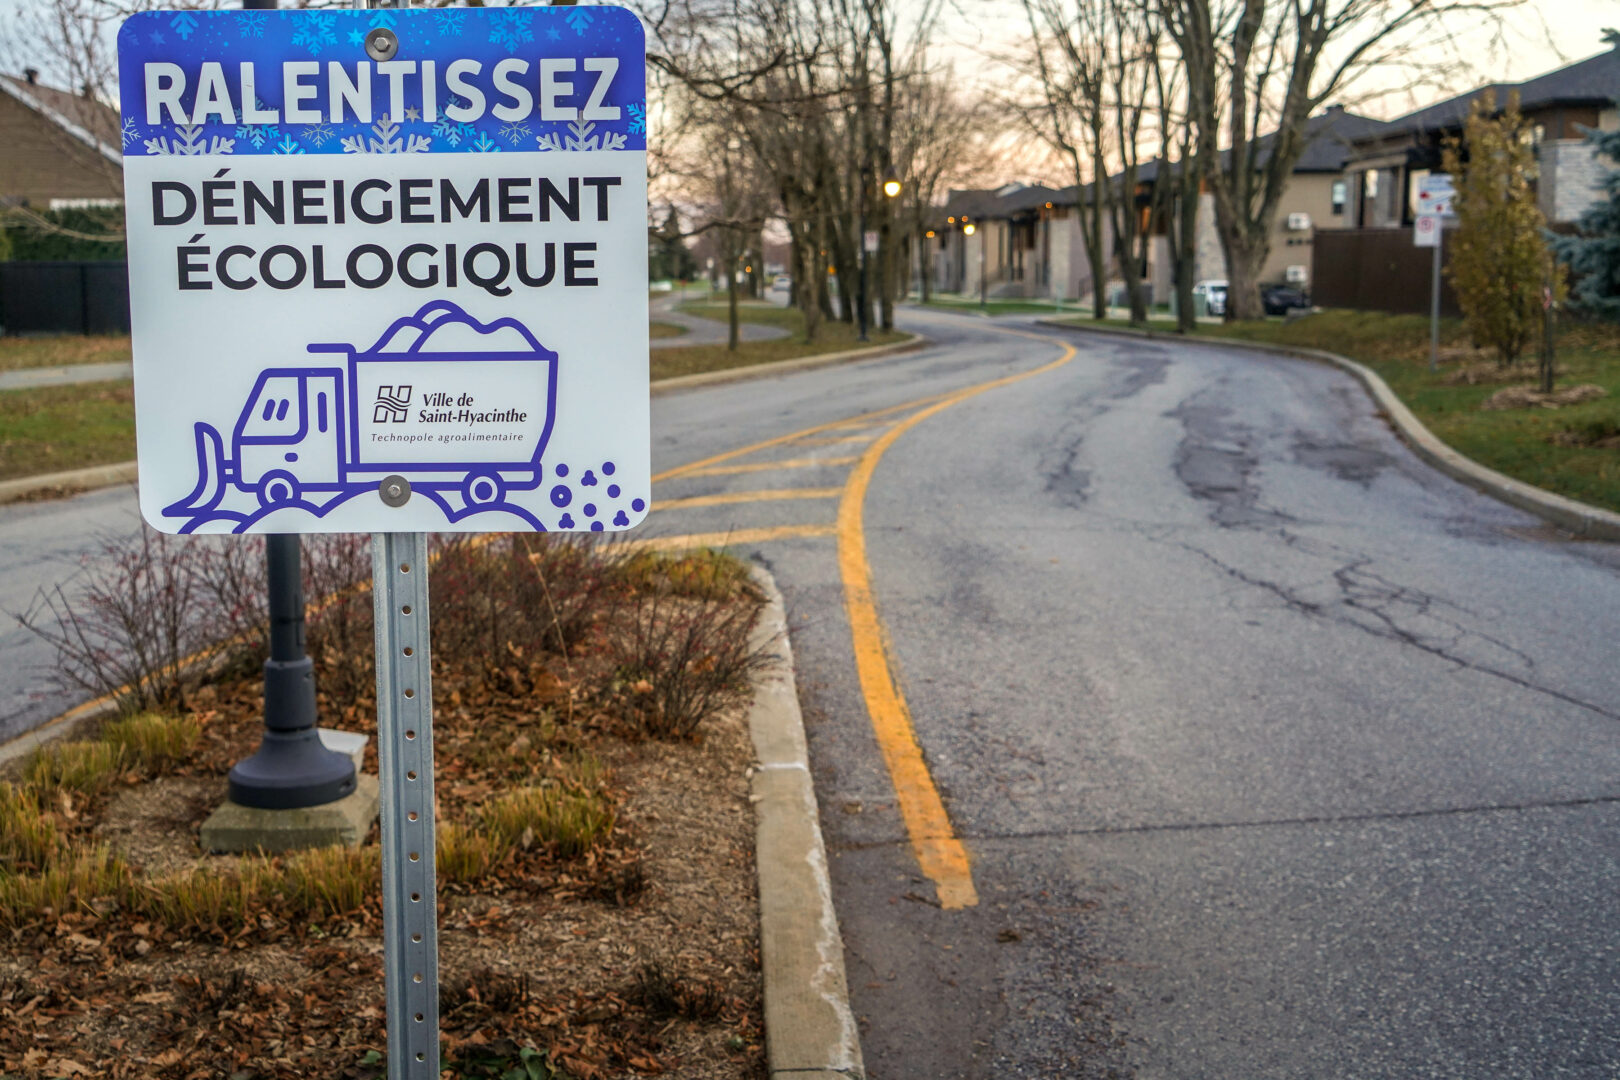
x=351 y=315
x=399 y=566
x=1435 y=195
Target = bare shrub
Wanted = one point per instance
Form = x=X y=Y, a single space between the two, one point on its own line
x=126 y=625
x=683 y=659
x=339 y=617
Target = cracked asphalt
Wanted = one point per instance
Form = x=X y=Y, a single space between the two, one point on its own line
x=1277 y=753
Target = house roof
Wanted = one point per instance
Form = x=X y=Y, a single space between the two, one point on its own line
x=87 y=119
x=1593 y=81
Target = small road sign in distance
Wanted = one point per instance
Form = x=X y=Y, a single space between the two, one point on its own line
x=346 y=268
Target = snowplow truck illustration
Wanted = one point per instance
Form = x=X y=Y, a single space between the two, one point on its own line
x=454 y=405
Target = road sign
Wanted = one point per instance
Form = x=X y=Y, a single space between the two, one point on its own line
x=1436 y=193
x=1426 y=230
x=388 y=250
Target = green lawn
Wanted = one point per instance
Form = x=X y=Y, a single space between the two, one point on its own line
x=62 y=349
x=1516 y=442
x=65 y=427
x=832 y=336
x=664 y=330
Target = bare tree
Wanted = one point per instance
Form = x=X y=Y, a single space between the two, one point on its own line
x=1272 y=64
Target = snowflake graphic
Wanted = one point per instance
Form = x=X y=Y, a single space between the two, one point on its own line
x=318 y=133
x=638 y=119
x=509 y=29
x=578 y=19
x=582 y=138
x=357 y=37
x=258 y=134
x=485 y=144
x=514 y=132
x=156 y=37
x=314 y=30
x=129 y=132
x=189 y=142
x=553 y=34
x=452 y=132
x=184 y=24
x=449 y=21
x=289 y=145
x=383 y=17
x=388 y=140
x=412 y=114
x=250 y=24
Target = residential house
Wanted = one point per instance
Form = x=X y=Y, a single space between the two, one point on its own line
x=62 y=149
x=1031 y=245
x=1385 y=167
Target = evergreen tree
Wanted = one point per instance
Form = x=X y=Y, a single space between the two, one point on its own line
x=1593 y=256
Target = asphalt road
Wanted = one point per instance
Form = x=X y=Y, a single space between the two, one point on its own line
x=1275 y=753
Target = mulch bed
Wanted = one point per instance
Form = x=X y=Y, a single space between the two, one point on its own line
x=639 y=958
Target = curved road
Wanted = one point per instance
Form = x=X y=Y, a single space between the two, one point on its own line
x=1169 y=718
x=1275 y=753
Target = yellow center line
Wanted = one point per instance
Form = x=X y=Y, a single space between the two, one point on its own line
x=839 y=440
x=726 y=539
x=692 y=466
x=768 y=466
x=940 y=854
x=772 y=495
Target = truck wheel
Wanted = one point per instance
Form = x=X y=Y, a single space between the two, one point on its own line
x=278 y=488
x=483 y=489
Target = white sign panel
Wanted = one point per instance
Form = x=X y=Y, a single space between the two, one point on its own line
x=345 y=270
x=1426 y=230
x=1435 y=196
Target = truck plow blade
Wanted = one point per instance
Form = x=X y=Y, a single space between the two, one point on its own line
x=210 y=487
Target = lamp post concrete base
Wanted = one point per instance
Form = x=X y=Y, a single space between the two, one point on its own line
x=237 y=829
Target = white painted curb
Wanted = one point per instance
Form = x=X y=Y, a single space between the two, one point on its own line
x=809 y=1027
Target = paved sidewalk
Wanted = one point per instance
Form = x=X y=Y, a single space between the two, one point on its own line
x=28 y=378
x=701 y=331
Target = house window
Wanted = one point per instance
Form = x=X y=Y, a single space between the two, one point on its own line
x=1340 y=191
x=1370 y=184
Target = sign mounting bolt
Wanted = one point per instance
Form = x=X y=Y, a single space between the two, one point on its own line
x=395 y=490
x=381 y=44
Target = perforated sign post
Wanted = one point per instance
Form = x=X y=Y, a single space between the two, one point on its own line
x=1434 y=213
x=387 y=275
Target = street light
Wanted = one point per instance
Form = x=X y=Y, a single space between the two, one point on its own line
x=891 y=185
x=968 y=230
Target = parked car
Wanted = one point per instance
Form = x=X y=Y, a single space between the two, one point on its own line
x=781 y=283
x=1278 y=299
x=1214 y=294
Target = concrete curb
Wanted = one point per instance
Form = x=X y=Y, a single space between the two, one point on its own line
x=78 y=481
x=71 y=482
x=809 y=1028
x=1587 y=522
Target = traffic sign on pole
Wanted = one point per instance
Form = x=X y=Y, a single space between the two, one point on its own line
x=382 y=266
x=388 y=243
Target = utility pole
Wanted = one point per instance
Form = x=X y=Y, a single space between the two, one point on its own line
x=292 y=767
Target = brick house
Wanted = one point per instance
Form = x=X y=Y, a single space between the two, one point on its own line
x=62 y=150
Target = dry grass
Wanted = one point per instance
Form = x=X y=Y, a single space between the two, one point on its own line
x=84 y=768
x=153 y=743
x=571 y=821
x=28 y=835
x=62 y=350
x=85 y=878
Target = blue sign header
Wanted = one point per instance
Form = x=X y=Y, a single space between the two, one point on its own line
x=464 y=80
